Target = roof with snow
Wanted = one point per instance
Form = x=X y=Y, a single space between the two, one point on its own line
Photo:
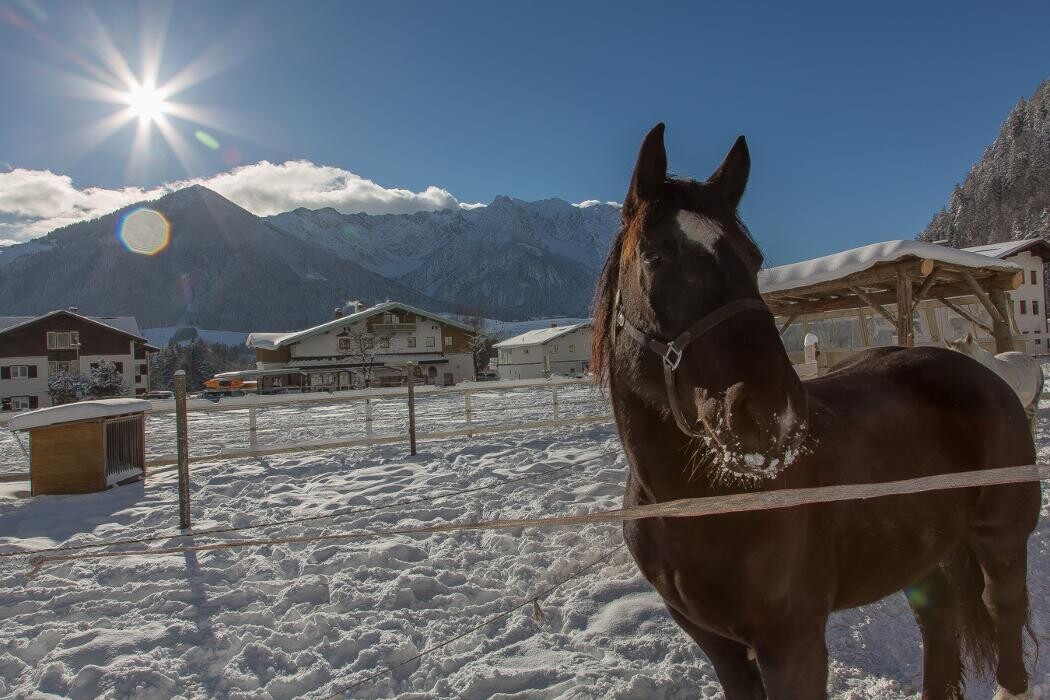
x=1038 y=247
x=540 y=336
x=73 y=412
x=124 y=324
x=848 y=262
x=272 y=341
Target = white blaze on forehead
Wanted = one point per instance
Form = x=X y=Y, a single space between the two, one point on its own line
x=699 y=229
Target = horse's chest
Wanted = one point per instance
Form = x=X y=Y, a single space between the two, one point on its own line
x=720 y=572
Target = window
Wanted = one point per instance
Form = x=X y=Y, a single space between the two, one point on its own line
x=346 y=344
x=391 y=318
x=20 y=403
x=143 y=370
x=554 y=349
x=572 y=348
x=448 y=341
x=369 y=343
x=431 y=342
x=525 y=351
x=62 y=340
x=449 y=379
x=20 y=372
x=1031 y=274
x=54 y=368
x=412 y=341
x=120 y=367
x=384 y=343
x=1024 y=307
x=1035 y=307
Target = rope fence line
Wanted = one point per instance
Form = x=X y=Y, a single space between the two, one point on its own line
x=681 y=508
x=534 y=600
x=310 y=518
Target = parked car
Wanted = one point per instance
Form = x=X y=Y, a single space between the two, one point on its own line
x=158 y=396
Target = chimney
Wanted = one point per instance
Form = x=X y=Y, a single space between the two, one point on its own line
x=338 y=312
x=74 y=309
x=554 y=324
x=358 y=305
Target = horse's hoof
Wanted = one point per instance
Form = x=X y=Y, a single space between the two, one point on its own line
x=1004 y=694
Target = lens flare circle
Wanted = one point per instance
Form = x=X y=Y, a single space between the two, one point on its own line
x=144 y=231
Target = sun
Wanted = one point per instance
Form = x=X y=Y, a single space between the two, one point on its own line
x=146 y=102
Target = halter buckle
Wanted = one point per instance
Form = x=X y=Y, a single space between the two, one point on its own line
x=672 y=356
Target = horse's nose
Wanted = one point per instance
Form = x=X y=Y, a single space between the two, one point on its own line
x=756 y=426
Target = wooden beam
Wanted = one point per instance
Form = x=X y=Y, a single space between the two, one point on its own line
x=982 y=296
x=905 y=322
x=920 y=293
x=965 y=314
x=784 y=326
x=875 y=305
x=1001 y=326
x=937 y=290
x=865 y=335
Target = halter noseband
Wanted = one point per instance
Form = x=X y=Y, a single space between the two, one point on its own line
x=670 y=352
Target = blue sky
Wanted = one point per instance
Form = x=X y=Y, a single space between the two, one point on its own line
x=860 y=118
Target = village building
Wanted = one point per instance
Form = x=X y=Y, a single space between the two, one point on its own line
x=1029 y=299
x=34 y=348
x=558 y=350
x=368 y=347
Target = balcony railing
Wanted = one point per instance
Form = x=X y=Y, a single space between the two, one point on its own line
x=393 y=327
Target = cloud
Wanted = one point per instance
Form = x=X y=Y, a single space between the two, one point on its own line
x=34 y=202
x=587 y=203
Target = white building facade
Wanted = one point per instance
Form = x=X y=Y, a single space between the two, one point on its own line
x=557 y=351
x=366 y=348
x=1029 y=299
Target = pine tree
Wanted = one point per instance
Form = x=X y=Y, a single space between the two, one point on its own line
x=65 y=387
x=105 y=381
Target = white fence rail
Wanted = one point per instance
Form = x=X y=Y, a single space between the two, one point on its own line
x=269 y=425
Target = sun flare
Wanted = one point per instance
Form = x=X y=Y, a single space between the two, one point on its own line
x=146 y=102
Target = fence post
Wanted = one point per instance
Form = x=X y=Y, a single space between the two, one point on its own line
x=412 y=415
x=554 y=400
x=182 y=445
x=467 y=407
x=253 y=438
x=368 y=418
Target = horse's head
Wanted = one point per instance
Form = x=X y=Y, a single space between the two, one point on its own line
x=682 y=259
x=968 y=345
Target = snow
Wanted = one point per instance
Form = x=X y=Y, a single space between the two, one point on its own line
x=305 y=620
x=70 y=412
x=839 y=265
x=1002 y=250
x=540 y=336
x=128 y=324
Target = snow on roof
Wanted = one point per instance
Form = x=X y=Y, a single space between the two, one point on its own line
x=848 y=262
x=541 y=336
x=1008 y=248
x=125 y=324
x=272 y=341
x=71 y=412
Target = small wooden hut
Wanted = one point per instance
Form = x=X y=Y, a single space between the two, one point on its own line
x=895 y=281
x=85 y=447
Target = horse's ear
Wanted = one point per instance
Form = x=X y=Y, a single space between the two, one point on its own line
x=731 y=177
x=650 y=172
x=968 y=339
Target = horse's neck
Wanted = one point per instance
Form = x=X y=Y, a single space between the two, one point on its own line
x=983 y=356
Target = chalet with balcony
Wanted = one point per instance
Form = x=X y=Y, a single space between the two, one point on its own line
x=34 y=348
x=1028 y=301
x=368 y=347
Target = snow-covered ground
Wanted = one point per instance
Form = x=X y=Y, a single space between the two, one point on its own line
x=307 y=620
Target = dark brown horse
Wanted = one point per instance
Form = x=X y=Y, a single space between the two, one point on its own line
x=707 y=403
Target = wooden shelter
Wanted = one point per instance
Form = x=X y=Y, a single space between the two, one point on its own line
x=85 y=447
x=886 y=278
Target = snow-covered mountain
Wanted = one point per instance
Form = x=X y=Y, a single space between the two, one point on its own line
x=511 y=259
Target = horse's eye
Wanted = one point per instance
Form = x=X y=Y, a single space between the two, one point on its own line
x=652 y=258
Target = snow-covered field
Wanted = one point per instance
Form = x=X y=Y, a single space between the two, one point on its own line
x=308 y=620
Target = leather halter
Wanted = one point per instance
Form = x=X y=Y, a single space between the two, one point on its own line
x=670 y=352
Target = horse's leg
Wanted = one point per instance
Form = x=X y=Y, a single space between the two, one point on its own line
x=933 y=602
x=794 y=661
x=999 y=538
x=736 y=672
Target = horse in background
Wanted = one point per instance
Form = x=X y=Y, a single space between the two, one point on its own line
x=707 y=404
x=1018 y=369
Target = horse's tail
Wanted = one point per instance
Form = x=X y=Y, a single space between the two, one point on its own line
x=973 y=622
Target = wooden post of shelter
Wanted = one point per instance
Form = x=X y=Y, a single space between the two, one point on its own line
x=554 y=400
x=182 y=448
x=368 y=417
x=1000 y=323
x=905 y=328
